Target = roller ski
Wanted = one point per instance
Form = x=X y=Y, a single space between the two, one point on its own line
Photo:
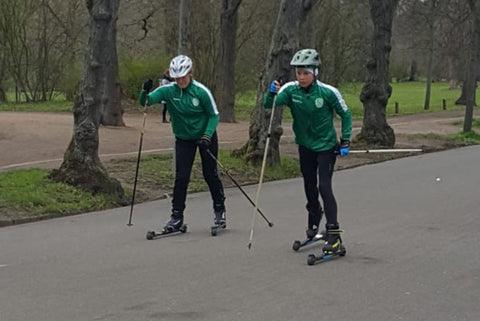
x=175 y=225
x=219 y=222
x=333 y=247
x=313 y=236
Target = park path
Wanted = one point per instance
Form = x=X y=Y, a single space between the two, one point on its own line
x=29 y=139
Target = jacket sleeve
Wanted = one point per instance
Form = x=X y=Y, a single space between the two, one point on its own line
x=155 y=97
x=281 y=99
x=211 y=110
x=343 y=111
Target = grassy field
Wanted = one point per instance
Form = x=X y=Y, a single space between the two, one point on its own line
x=410 y=97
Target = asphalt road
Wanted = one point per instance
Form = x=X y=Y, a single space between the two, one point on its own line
x=412 y=254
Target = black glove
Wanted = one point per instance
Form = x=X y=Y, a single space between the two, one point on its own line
x=148 y=85
x=204 y=142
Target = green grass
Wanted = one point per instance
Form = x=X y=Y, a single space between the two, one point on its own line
x=31 y=192
x=410 y=97
x=156 y=171
x=56 y=106
x=471 y=137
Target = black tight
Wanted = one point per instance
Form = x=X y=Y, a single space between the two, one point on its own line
x=321 y=163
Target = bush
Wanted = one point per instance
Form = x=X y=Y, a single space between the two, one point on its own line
x=133 y=72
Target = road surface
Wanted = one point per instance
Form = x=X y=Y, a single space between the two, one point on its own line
x=411 y=232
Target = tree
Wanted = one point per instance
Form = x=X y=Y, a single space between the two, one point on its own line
x=377 y=90
x=467 y=59
x=182 y=28
x=112 y=109
x=338 y=30
x=3 y=64
x=284 y=44
x=430 y=18
x=471 y=79
x=81 y=164
x=226 y=80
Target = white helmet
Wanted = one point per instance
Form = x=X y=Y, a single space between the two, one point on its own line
x=305 y=58
x=180 y=66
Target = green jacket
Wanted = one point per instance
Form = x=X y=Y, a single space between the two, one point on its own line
x=193 y=112
x=313 y=112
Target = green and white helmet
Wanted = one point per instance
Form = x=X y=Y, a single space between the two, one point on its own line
x=307 y=58
x=180 y=66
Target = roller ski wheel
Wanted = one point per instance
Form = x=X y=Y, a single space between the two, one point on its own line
x=217 y=227
x=166 y=231
x=326 y=256
x=297 y=245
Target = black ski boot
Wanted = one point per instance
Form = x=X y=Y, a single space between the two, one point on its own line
x=314 y=218
x=219 y=221
x=220 y=218
x=333 y=242
x=313 y=235
x=175 y=223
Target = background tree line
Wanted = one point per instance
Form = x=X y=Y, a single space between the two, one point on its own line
x=236 y=45
x=42 y=42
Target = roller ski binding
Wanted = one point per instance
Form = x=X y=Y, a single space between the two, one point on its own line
x=333 y=247
x=313 y=236
x=315 y=214
x=174 y=225
x=219 y=222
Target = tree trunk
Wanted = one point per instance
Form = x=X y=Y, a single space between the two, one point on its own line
x=226 y=80
x=81 y=165
x=377 y=90
x=431 y=49
x=182 y=28
x=112 y=108
x=3 y=96
x=284 y=44
x=413 y=71
x=471 y=80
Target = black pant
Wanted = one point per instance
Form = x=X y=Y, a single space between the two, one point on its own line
x=184 y=156
x=164 y=113
x=321 y=163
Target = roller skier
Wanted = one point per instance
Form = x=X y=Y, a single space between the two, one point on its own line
x=313 y=105
x=194 y=118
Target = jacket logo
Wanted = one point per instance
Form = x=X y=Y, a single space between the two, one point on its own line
x=319 y=102
x=297 y=99
x=195 y=102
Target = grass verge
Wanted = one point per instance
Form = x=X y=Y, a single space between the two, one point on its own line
x=29 y=193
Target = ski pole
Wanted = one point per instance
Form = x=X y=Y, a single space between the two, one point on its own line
x=138 y=162
x=239 y=187
x=262 y=172
x=404 y=150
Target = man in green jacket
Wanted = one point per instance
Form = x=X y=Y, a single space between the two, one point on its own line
x=313 y=105
x=194 y=118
